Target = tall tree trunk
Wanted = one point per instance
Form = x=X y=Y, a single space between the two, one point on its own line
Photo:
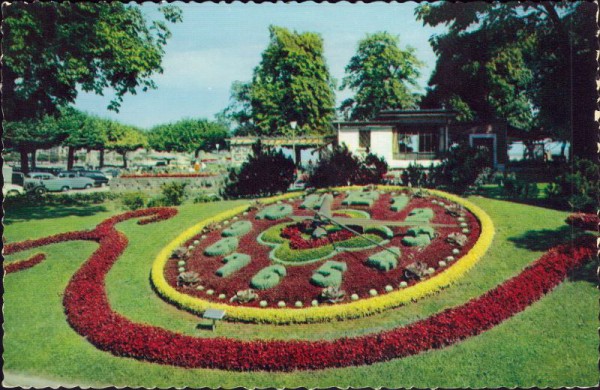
x=70 y=158
x=101 y=158
x=197 y=153
x=33 y=165
x=124 y=154
x=24 y=160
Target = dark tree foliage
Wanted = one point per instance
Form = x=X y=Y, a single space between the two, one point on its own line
x=340 y=167
x=577 y=187
x=267 y=172
x=460 y=167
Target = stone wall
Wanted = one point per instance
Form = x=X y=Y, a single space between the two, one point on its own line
x=210 y=184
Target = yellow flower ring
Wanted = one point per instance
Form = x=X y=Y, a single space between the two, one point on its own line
x=364 y=307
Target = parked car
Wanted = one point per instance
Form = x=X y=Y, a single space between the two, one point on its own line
x=9 y=189
x=65 y=183
x=298 y=185
x=110 y=172
x=99 y=178
x=52 y=170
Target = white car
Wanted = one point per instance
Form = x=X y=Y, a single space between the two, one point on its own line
x=9 y=189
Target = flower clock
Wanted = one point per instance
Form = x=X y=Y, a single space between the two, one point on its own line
x=273 y=262
x=281 y=261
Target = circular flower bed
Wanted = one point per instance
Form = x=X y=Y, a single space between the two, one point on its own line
x=89 y=313
x=368 y=278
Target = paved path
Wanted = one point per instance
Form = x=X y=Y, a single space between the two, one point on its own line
x=12 y=379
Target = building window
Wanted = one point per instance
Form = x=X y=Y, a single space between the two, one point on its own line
x=428 y=142
x=408 y=143
x=364 y=139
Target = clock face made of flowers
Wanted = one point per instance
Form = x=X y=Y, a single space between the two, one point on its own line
x=276 y=256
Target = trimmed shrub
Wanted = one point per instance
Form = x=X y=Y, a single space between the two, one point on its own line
x=312 y=201
x=233 y=263
x=237 y=229
x=268 y=277
x=134 y=200
x=222 y=247
x=382 y=230
x=420 y=240
x=275 y=212
x=384 y=260
x=329 y=274
x=416 y=231
x=361 y=198
x=420 y=215
x=399 y=202
x=206 y=198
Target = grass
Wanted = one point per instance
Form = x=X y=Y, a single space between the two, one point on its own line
x=553 y=343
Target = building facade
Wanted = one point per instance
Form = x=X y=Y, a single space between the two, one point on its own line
x=421 y=137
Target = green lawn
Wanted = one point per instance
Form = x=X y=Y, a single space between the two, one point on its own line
x=553 y=343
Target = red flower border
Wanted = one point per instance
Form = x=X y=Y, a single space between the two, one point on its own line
x=167 y=175
x=584 y=221
x=89 y=313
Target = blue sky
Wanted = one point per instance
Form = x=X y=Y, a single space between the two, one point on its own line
x=217 y=44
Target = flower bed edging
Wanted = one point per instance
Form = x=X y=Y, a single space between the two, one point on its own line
x=355 y=309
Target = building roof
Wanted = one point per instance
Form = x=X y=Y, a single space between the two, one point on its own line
x=407 y=117
x=282 y=141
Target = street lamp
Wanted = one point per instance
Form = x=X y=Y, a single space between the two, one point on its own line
x=293 y=125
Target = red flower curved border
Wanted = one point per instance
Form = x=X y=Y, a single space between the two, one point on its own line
x=89 y=313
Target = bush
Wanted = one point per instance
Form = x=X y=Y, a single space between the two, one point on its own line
x=173 y=193
x=340 y=167
x=266 y=172
x=206 y=198
x=275 y=212
x=133 y=200
x=577 y=187
x=459 y=168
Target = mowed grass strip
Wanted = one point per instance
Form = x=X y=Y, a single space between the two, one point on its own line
x=553 y=343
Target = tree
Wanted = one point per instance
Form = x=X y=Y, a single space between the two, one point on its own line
x=339 y=167
x=558 y=45
x=123 y=139
x=28 y=135
x=85 y=131
x=382 y=74
x=291 y=83
x=267 y=172
x=188 y=135
x=51 y=49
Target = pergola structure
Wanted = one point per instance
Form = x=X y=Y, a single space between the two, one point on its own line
x=241 y=147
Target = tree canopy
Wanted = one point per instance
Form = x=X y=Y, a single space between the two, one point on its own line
x=188 y=135
x=382 y=76
x=50 y=49
x=124 y=138
x=291 y=83
x=531 y=63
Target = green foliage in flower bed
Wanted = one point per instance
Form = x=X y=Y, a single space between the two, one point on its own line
x=273 y=234
x=414 y=238
x=384 y=260
x=329 y=274
x=222 y=247
x=237 y=229
x=420 y=215
x=312 y=201
x=399 y=202
x=381 y=230
x=352 y=213
x=233 y=263
x=361 y=198
x=416 y=231
x=268 y=277
x=274 y=212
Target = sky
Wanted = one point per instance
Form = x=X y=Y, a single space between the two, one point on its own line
x=217 y=44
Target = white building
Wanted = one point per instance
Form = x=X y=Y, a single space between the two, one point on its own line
x=403 y=137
